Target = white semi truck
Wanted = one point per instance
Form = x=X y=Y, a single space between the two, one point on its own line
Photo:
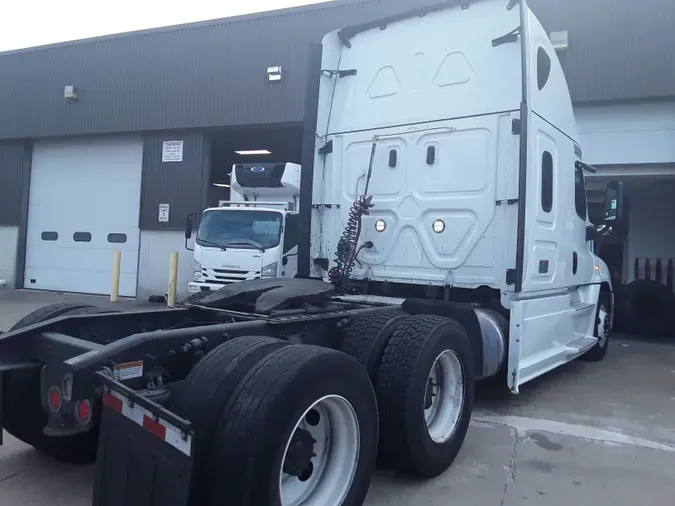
x=449 y=167
x=253 y=235
x=444 y=221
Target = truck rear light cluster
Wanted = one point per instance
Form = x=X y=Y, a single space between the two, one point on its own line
x=83 y=412
x=55 y=399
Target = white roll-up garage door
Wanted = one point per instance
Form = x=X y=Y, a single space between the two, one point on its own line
x=84 y=204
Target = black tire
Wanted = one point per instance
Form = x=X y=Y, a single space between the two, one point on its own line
x=196 y=298
x=260 y=417
x=598 y=352
x=24 y=417
x=47 y=313
x=408 y=359
x=367 y=336
x=620 y=310
x=204 y=392
x=87 y=310
x=649 y=308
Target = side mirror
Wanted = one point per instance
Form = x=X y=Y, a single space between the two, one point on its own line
x=188 y=228
x=615 y=220
x=615 y=207
x=188 y=231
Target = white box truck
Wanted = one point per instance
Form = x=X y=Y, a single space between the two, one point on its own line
x=252 y=236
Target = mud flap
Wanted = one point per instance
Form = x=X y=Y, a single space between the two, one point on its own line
x=135 y=467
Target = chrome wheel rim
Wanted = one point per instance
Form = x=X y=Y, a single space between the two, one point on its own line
x=323 y=474
x=444 y=397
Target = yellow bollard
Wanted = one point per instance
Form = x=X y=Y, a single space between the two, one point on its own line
x=115 y=289
x=173 y=277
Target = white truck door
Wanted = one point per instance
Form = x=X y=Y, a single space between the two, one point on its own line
x=548 y=313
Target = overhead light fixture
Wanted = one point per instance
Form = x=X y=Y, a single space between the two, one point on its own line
x=560 y=40
x=221 y=185
x=70 y=93
x=253 y=152
x=274 y=74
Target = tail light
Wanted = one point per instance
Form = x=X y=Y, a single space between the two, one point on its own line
x=54 y=399
x=83 y=412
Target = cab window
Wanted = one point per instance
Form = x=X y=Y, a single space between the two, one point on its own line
x=547 y=182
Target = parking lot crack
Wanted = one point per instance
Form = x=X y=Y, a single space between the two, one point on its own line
x=13 y=475
x=511 y=470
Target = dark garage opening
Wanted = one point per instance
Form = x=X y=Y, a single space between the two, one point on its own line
x=284 y=144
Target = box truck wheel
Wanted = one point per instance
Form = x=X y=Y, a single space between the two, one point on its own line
x=601 y=331
x=300 y=428
x=367 y=336
x=24 y=417
x=204 y=392
x=425 y=388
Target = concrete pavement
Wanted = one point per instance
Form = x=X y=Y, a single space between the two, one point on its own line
x=584 y=435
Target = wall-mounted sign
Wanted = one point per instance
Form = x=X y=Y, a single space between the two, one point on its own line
x=164 y=213
x=172 y=151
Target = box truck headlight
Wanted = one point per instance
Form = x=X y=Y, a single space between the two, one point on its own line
x=380 y=225
x=196 y=271
x=269 y=271
x=439 y=226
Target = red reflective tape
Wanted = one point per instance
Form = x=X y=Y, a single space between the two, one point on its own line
x=156 y=428
x=112 y=402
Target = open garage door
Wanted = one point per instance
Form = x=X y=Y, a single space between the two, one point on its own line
x=84 y=204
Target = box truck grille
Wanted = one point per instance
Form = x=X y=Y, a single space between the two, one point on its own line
x=227 y=276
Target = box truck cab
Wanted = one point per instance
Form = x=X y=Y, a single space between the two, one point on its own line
x=252 y=236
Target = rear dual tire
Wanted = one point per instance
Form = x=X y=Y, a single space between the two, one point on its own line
x=411 y=359
x=425 y=388
x=367 y=336
x=261 y=421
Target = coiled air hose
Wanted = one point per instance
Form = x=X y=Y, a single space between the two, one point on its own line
x=347 y=248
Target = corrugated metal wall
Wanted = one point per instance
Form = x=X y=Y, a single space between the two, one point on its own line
x=182 y=185
x=13 y=159
x=211 y=75
x=214 y=74
x=618 y=50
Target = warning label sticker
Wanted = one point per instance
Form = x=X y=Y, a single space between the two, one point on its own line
x=128 y=370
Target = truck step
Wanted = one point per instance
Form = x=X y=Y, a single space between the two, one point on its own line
x=583 y=343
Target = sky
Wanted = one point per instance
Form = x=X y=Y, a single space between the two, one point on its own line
x=27 y=23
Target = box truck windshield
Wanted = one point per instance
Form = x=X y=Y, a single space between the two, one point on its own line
x=240 y=229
